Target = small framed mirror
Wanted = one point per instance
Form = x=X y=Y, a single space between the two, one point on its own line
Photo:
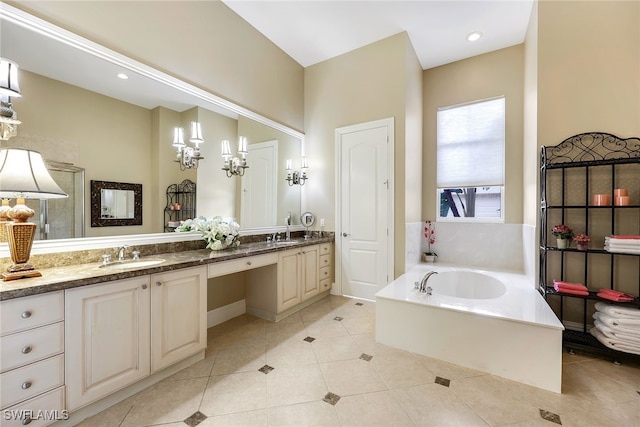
x=115 y=204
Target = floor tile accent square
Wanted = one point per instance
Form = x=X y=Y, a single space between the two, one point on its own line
x=309 y=339
x=195 y=419
x=550 y=416
x=331 y=398
x=443 y=381
x=365 y=356
x=266 y=369
x=338 y=318
x=359 y=303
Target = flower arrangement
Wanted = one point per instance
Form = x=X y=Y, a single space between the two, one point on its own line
x=218 y=233
x=430 y=235
x=582 y=241
x=562 y=231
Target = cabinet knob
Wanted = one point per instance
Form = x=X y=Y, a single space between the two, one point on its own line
x=248 y=262
x=144 y=286
x=27 y=349
x=158 y=283
x=25 y=314
x=25 y=385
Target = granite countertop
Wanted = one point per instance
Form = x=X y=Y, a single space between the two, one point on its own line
x=59 y=278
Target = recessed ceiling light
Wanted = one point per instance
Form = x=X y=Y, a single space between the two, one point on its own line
x=472 y=37
x=122 y=76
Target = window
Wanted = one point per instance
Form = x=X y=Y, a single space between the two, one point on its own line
x=470 y=160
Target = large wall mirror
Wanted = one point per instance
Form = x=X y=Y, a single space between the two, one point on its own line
x=75 y=110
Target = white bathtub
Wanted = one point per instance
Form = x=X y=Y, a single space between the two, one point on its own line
x=492 y=321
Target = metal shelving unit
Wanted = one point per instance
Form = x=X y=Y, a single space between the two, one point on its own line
x=576 y=168
x=183 y=194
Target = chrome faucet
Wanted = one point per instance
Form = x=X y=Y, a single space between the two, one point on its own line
x=288 y=221
x=121 y=252
x=422 y=286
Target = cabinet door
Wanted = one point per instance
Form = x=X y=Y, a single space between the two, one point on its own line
x=178 y=315
x=107 y=338
x=289 y=266
x=310 y=281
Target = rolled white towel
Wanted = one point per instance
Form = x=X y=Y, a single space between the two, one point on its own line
x=615 y=334
x=618 y=311
x=615 y=344
x=613 y=240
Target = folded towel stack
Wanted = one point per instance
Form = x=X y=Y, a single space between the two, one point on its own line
x=617 y=296
x=617 y=327
x=570 y=288
x=627 y=244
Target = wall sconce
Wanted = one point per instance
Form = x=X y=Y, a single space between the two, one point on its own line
x=295 y=177
x=234 y=165
x=8 y=88
x=23 y=175
x=188 y=157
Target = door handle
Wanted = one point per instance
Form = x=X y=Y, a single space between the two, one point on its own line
x=345 y=234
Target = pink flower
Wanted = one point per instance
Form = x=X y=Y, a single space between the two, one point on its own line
x=562 y=231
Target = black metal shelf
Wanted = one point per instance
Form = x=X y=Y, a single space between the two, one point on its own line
x=596 y=153
x=183 y=194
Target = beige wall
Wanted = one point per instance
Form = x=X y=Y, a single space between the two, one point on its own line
x=201 y=42
x=485 y=76
x=364 y=85
x=530 y=171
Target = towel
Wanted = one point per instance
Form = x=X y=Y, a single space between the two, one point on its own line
x=567 y=285
x=618 y=241
x=614 y=297
x=612 y=333
x=630 y=326
x=619 y=345
x=618 y=312
x=614 y=292
x=622 y=250
x=626 y=236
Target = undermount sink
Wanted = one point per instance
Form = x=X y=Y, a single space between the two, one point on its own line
x=287 y=242
x=132 y=264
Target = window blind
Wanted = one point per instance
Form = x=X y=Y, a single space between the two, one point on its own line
x=470 y=141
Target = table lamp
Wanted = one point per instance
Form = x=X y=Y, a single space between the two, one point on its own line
x=23 y=175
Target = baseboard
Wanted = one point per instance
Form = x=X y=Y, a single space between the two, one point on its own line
x=227 y=312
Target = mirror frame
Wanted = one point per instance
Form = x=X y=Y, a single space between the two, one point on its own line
x=203 y=97
x=96 y=204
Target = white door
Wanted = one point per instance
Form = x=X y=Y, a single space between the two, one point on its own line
x=365 y=203
x=259 y=186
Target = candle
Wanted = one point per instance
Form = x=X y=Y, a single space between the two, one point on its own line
x=620 y=192
x=622 y=201
x=601 y=200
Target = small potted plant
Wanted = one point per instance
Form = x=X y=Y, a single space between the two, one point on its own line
x=563 y=233
x=582 y=241
x=430 y=235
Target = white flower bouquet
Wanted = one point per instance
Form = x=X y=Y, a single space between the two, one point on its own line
x=218 y=233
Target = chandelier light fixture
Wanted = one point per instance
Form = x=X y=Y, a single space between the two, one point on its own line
x=188 y=157
x=234 y=166
x=8 y=88
x=297 y=177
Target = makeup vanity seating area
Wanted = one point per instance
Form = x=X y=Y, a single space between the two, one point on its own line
x=83 y=337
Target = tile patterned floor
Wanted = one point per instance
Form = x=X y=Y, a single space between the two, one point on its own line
x=322 y=367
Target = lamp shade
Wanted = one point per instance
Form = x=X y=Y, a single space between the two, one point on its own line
x=9 y=78
x=23 y=174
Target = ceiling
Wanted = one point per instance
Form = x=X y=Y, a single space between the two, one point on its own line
x=312 y=31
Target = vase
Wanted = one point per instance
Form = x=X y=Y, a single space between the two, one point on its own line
x=582 y=246
x=563 y=243
x=428 y=257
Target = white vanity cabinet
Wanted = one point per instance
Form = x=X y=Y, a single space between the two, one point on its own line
x=297 y=276
x=108 y=338
x=178 y=315
x=32 y=359
x=122 y=331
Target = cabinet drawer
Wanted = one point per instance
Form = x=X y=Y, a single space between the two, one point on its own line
x=325 y=273
x=30 y=346
x=40 y=411
x=22 y=383
x=325 y=260
x=325 y=284
x=29 y=312
x=241 y=264
x=325 y=248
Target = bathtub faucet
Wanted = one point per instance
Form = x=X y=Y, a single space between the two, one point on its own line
x=423 y=283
